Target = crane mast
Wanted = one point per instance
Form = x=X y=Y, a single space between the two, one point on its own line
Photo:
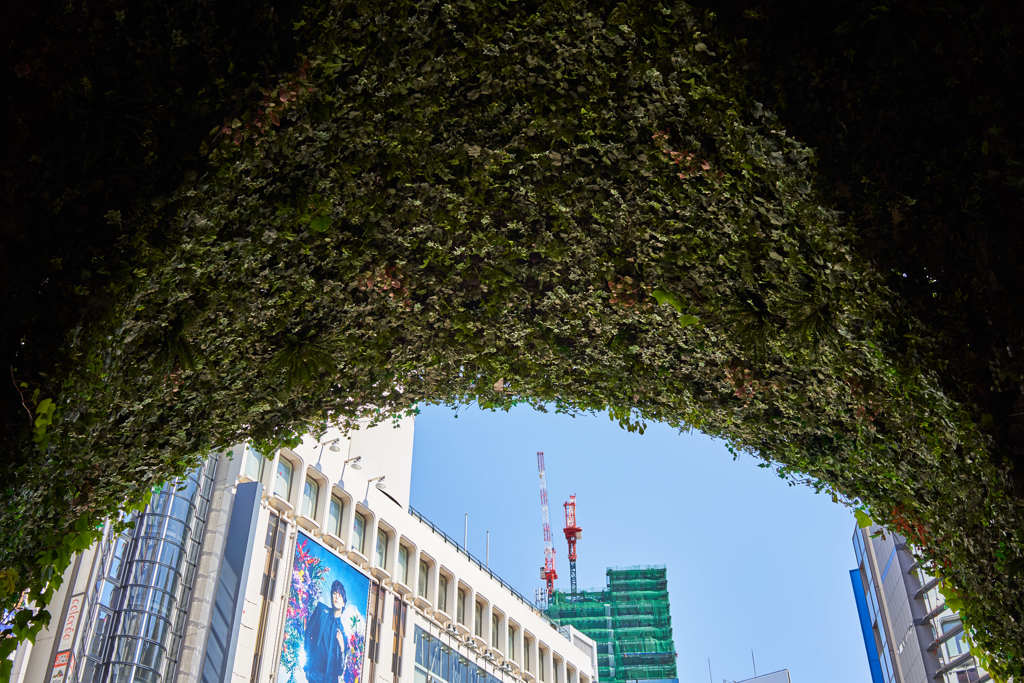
x=572 y=534
x=547 y=572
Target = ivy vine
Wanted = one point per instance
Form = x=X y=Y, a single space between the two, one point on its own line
x=553 y=203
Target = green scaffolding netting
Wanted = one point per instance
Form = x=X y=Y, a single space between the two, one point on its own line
x=629 y=620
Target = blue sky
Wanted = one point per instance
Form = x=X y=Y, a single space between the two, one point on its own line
x=753 y=563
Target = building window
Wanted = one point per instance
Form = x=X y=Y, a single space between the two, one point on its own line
x=283 y=480
x=310 y=498
x=252 y=464
x=403 y=564
x=334 y=515
x=554 y=669
x=955 y=646
x=478 y=619
x=527 y=650
x=421 y=587
x=511 y=643
x=360 y=532
x=542 y=664
x=382 y=548
x=495 y=619
x=442 y=593
x=437 y=663
x=967 y=676
x=460 y=606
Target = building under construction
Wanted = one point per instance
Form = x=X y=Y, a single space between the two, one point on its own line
x=629 y=620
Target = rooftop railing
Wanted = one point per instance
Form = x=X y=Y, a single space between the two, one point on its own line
x=482 y=565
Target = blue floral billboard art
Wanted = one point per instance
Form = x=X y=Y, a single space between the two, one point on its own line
x=325 y=623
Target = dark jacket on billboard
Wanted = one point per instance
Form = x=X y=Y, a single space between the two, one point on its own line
x=325 y=658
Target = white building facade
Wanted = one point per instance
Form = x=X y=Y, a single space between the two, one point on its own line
x=231 y=575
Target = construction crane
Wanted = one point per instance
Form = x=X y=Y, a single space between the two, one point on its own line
x=547 y=572
x=572 y=534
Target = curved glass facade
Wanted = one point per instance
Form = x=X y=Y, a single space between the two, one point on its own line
x=140 y=599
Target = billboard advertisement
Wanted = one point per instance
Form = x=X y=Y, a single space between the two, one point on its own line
x=325 y=622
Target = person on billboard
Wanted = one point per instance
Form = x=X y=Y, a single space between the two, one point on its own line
x=325 y=639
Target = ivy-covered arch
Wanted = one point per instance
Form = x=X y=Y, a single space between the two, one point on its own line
x=569 y=202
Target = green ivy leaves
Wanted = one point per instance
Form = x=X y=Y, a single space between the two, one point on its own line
x=43 y=419
x=667 y=298
x=568 y=206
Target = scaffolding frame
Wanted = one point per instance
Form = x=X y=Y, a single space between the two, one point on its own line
x=629 y=620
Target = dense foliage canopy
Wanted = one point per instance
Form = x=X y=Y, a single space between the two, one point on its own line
x=920 y=145
x=571 y=203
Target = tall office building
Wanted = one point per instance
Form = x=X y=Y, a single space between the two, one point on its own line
x=909 y=633
x=630 y=622
x=308 y=567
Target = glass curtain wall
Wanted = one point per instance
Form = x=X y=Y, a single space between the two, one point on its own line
x=140 y=597
x=438 y=663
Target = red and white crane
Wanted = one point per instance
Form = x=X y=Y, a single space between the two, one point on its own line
x=572 y=534
x=547 y=572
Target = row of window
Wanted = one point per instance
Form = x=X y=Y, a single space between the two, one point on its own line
x=252 y=468
x=436 y=662
x=282 y=488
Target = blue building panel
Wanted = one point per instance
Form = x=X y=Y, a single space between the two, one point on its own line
x=865 y=626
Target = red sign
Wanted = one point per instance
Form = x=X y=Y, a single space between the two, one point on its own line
x=62 y=666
